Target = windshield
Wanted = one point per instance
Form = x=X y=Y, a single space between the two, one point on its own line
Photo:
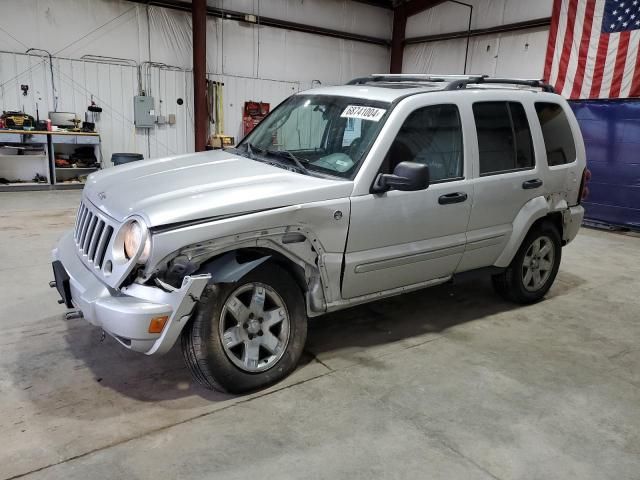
x=320 y=133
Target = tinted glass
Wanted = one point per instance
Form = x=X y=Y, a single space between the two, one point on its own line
x=431 y=136
x=558 y=138
x=327 y=134
x=352 y=131
x=504 y=137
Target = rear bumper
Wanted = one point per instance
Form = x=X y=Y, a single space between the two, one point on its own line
x=125 y=314
x=572 y=218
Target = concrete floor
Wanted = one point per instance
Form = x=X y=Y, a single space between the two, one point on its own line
x=445 y=383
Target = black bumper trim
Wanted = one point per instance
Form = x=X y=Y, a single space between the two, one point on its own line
x=62 y=282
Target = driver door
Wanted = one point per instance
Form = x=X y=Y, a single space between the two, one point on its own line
x=397 y=238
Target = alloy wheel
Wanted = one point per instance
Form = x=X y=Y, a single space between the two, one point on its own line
x=254 y=327
x=537 y=264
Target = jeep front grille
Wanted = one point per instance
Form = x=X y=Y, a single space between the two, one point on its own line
x=92 y=234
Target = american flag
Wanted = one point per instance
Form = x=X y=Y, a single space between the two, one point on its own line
x=593 y=48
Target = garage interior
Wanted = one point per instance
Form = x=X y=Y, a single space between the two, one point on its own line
x=447 y=382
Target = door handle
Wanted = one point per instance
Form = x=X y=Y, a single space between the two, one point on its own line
x=529 y=184
x=457 y=197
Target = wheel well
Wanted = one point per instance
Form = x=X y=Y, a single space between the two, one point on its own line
x=555 y=218
x=296 y=271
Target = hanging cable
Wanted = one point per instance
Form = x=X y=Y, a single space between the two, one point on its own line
x=58 y=51
x=77 y=40
x=14 y=38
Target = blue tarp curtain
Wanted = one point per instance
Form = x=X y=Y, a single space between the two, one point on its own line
x=611 y=131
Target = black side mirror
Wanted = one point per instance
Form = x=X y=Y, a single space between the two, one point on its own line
x=406 y=177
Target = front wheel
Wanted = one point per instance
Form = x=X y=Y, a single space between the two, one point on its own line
x=534 y=268
x=247 y=335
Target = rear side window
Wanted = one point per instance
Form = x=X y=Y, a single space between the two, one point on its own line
x=558 y=138
x=504 y=137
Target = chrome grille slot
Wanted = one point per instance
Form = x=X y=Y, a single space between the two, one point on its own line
x=89 y=234
x=95 y=237
x=102 y=245
x=85 y=227
x=78 y=220
x=81 y=219
x=93 y=233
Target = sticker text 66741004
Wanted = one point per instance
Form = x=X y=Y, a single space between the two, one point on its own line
x=364 y=113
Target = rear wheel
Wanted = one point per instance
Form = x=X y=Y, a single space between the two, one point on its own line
x=534 y=268
x=247 y=335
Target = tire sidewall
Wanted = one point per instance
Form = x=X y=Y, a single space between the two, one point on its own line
x=212 y=356
x=545 y=229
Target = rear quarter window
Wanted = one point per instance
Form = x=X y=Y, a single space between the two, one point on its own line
x=504 y=137
x=558 y=137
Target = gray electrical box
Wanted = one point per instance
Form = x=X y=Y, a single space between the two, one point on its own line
x=144 y=115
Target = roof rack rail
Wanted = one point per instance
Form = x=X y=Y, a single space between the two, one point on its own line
x=462 y=83
x=389 y=78
x=409 y=77
x=456 y=82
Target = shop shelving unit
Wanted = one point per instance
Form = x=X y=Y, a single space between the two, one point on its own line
x=24 y=154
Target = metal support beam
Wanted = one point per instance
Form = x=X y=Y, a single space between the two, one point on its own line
x=416 y=6
x=377 y=3
x=510 y=27
x=266 y=21
x=401 y=12
x=201 y=120
x=397 y=38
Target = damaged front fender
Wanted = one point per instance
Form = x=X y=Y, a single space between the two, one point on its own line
x=309 y=238
x=226 y=269
x=228 y=260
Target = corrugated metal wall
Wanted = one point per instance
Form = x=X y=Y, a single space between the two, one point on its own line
x=517 y=54
x=254 y=62
x=513 y=54
x=113 y=87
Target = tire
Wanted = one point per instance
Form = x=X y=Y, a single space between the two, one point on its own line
x=236 y=367
x=514 y=284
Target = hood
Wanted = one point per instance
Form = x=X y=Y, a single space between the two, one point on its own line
x=201 y=185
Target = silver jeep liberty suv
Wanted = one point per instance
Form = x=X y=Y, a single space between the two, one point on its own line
x=341 y=196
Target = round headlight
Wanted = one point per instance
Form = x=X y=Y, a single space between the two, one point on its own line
x=134 y=234
x=132 y=239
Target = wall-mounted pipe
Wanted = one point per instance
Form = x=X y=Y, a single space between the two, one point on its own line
x=53 y=82
x=110 y=60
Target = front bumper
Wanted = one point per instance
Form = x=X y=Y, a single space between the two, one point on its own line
x=125 y=314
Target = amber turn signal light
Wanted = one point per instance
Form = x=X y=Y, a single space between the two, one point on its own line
x=157 y=324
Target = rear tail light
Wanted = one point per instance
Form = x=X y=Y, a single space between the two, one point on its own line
x=583 y=193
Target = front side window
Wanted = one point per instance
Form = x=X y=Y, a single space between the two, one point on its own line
x=558 y=138
x=432 y=136
x=326 y=134
x=504 y=137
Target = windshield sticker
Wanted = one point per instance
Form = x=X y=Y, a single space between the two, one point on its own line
x=364 y=113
